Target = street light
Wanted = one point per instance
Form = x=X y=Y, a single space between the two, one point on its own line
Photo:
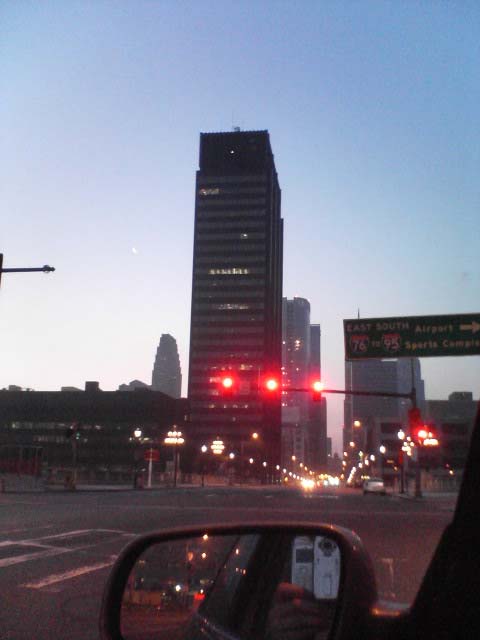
x=174 y=438
x=401 y=437
x=136 y=476
x=357 y=423
x=204 y=450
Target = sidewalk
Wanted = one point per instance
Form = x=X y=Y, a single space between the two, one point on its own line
x=435 y=495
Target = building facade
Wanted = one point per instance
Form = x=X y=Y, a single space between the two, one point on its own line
x=236 y=291
x=453 y=421
x=304 y=429
x=362 y=413
x=167 y=374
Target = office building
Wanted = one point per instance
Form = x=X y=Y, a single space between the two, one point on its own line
x=452 y=421
x=167 y=374
x=304 y=429
x=363 y=413
x=236 y=291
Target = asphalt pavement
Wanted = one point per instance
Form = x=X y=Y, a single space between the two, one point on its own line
x=56 y=548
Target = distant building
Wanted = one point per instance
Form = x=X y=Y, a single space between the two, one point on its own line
x=453 y=421
x=167 y=374
x=362 y=413
x=329 y=447
x=303 y=421
x=134 y=384
x=236 y=290
x=70 y=389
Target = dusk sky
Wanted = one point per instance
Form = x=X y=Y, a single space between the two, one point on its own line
x=372 y=109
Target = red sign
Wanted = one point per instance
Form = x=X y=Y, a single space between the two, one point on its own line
x=152 y=454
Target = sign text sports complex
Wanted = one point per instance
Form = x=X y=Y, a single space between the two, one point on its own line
x=412 y=336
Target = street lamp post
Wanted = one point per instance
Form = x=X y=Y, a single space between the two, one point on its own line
x=204 y=450
x=382 y=449
x=137 y=434
x=401 y=437
x=174 y=438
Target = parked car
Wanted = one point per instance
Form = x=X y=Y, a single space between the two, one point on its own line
x=374 y=485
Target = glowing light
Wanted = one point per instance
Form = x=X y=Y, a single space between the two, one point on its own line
x=227 y=383
x=318 y=386
x=271 y=384
x=307 y=484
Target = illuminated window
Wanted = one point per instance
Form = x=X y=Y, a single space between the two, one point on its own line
x=209 y=192
x=237 y=271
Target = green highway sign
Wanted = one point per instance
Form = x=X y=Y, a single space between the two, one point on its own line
x=412 y=336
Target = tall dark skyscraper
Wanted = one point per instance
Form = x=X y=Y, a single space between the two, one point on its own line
x=236 y=290
x=167 y=374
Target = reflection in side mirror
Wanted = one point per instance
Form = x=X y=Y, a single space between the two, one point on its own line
x=258 y=585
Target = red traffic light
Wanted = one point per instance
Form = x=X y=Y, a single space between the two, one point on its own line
x=271 y=384
x=422 y=434
x=317 y=388
x=227 y=386
x=227 y=383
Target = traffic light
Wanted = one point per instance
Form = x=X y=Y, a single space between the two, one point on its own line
x=227 y=386
x=317 y=388
x=270 y=389
x=418 y=430
x=271 y=385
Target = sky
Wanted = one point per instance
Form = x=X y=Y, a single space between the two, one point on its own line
x=372 y=109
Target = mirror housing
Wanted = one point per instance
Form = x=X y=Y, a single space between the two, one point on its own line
x=356 y=608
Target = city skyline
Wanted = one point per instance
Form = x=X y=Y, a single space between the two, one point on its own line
x=372 y=111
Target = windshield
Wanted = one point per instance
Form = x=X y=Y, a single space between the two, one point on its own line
x=260 y=222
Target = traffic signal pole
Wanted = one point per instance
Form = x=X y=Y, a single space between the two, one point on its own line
x=418 y=477
x=45 y=269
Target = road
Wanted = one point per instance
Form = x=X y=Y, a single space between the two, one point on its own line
x=56 y=548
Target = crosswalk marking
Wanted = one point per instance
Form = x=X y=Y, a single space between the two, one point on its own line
x=67 y=575
x=44 y=546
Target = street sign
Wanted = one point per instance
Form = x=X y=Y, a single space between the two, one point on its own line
x=412 y=336
x=151 y=454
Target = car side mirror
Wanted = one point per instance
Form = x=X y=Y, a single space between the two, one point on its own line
x=246 y=581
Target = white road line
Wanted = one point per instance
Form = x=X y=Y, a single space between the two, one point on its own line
x=50 y=550
x=67 y=575
x=25 y=543
x=78 y=532
x=7 y=562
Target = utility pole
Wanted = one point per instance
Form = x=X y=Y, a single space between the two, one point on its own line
x=150 y=465
x=418 y=477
